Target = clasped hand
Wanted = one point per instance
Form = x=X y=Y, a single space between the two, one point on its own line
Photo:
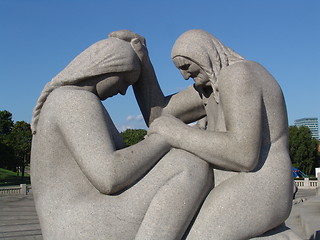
x=171 y=128
x=137 y=42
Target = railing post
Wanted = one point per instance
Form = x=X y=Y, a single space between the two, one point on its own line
x=23 y=189
x=318 y=187
x=306 y=182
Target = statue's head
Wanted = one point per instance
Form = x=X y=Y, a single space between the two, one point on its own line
x=107 y=67
x=199 y=48
x=190 y=69
x=110 y=64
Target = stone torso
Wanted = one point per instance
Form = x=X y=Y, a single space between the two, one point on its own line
x=274 y=129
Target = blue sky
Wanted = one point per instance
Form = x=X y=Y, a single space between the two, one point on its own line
x=39 y=38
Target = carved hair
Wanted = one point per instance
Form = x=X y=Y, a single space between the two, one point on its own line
x=207 y=51
x=110 y=55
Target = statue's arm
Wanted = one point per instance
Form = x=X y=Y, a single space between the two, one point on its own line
x=86 y=130
x=185 y=105
x=238 y=148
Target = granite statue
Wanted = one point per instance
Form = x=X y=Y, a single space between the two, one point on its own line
x=227 y=177
x=245 y=139
x=86 y=183
x=243 y=135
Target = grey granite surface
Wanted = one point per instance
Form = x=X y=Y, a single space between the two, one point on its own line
x=88 y=185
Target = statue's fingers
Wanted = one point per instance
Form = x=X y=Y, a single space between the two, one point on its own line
x=142 y=39
x=138 y=48
x=136 y=44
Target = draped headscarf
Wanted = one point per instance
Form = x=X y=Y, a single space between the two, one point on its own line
x=110 y=55
x=207 y=51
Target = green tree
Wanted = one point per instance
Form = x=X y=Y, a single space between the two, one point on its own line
x=133 y=136
x=21 y=137
x=7 y=158
x=303 y=149
x=15 y=142
x=6 y=150
x=6 y=123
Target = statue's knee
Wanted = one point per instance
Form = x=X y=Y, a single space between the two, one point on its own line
x=203 y=173
x=194 y=169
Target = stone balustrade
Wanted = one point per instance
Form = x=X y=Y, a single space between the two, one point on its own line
x=307 y=183
x=22 y=189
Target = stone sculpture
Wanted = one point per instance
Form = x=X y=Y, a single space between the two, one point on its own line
x=243 y=135
x=88 y=186
x=245 y=140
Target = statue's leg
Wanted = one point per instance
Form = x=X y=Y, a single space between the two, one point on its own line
x=172 y=208
x=242 y=207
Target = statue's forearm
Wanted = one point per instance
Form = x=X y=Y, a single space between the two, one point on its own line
x=149 y=94
x=132 y=163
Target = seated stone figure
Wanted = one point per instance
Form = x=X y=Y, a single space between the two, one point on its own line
x=86 y=184
x=245 y=139
x=244 y=136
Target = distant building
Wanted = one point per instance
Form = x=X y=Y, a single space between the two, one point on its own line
x=311 y=123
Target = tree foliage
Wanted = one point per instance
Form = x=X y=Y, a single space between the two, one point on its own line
x=15 y=142
x=7 y=158
x=133 y=136
x=6 y=150
x=6 y=123
x=21 y=137
x=303 y=149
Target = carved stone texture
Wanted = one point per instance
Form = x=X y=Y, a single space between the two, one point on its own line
x=86 y=184
x=245 y=139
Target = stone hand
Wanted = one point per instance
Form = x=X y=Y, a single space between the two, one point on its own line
x=127 y=35
x=141 y=51
x=137 y=42
x=170 y=128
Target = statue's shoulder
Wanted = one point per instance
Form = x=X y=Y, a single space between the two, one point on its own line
x=69 y=99
x=243 y=70
x=67 y=103
x=244 y=66
x=241 y=75
x=71 y=94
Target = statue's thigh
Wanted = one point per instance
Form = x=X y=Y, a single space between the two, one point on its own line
x=172 y=164
x=236 y=209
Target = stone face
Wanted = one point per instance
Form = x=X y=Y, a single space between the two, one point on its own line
x=88 y=186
